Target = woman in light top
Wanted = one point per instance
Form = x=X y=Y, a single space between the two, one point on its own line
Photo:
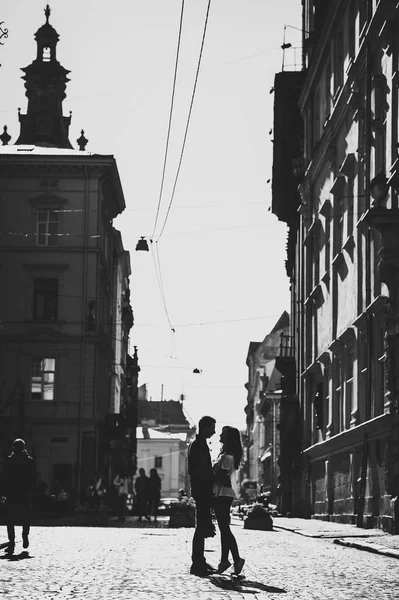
x=224 y=469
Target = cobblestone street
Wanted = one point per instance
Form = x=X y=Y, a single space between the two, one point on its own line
x=137 y=563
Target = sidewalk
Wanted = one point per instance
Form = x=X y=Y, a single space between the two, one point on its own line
x=92 y=518
x=371 y=540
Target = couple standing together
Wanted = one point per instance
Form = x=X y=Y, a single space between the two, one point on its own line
x=211 y=489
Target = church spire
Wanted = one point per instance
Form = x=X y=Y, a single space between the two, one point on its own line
x=45 y=83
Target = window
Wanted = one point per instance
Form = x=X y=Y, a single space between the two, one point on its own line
x=349 y=203
x=47 y=228
x=339 y=417
x=352 y=31
x=328 y=89
x=339 y=224
x=315 y=249
x=338 y=62
x=363 y=14
x=45 y=299
x=349 y=389
x=158 y=462
x=380 y=384
x=327 y=245
x=316 y=124
x=46 y=54
x=43 y=374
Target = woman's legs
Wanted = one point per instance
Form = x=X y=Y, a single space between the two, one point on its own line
x=228 y=542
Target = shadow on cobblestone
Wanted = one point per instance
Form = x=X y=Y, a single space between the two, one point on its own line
x=15 y=557
x=245 y=586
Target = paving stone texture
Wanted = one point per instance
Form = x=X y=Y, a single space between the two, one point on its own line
x=132 y=562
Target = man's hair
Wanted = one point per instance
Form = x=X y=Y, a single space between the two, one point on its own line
x=18 y=445
x=206 y=421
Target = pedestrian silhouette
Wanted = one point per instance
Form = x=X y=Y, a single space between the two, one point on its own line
x=121 y=484
x=19 y=484
x=141 y=487
x=201 y=480
x=154 y=493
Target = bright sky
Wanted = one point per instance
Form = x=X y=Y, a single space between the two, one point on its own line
x=222 y=252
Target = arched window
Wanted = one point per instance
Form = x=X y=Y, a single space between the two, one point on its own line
x=46 y=56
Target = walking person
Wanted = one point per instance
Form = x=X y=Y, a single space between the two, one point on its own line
x=121 y=484
x=154 y=493
x=224 y=468
x=201 y=480
x=19 y=484
x=141 y=487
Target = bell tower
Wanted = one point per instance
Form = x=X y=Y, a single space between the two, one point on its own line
x=45 y=83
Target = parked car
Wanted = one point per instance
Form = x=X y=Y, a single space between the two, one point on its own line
x=165 y=505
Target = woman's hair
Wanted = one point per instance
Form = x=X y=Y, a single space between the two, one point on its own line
x=232 y=444
x=154 y=474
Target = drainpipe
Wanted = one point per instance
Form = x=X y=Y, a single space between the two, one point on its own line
x=367 y=140
x=368 y=261
x=83 y=333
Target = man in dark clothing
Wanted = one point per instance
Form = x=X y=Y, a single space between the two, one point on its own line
x=19 y=483
x=201 y=479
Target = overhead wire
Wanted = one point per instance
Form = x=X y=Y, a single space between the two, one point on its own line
x=170 y=117
x=161 y=289
x=156 y=259
x=188 y=121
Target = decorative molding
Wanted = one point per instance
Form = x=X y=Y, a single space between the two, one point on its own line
x=326 y=209
x=349 y=165
x=314 y=367
x=31 y=267
x=387 y=35
x=317 y=295
x=326 y=279
x=347 y=337
x=313 y=231
x=3 y=32
x=331 y=152
x=376 y=428
x=324 y=358
x=338 y=186
x=339 y=262
x=377 y=306
x=336 y=346
x=393 y=180
x=349 y=245
x=47 y=200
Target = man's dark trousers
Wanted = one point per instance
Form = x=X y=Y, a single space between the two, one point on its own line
x=17 y=513
x=202 y=518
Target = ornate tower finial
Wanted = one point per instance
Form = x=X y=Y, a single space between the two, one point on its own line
x=5 y=137
x=45 y=81
x=82 y=141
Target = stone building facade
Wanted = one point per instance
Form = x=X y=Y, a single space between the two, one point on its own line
x=64 y=279
x=335 y=184
x=263 y=412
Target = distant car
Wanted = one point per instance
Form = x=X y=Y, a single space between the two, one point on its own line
x=165 y=505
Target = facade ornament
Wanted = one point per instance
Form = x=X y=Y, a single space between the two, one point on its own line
x=5 y=137
x=82 y=141
x=3 y=32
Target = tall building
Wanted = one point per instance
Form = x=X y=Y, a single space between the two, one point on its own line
x=64 y=279
x=263 y=412
x=335 y=184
